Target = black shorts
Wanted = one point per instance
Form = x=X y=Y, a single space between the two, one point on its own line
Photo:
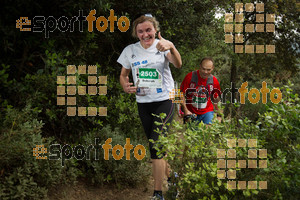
x=145 y=113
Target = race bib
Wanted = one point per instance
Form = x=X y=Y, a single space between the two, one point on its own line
x=200 y=101
x=149 y=78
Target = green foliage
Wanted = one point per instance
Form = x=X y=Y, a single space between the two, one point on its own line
x=30 y=64
x=120 y=172
x=122 y=109
x=4 y=76
x=21 y=131
x=22 y=175
x=191 y=152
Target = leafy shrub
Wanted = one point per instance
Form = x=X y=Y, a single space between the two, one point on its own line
x=192 y=154
x=22 y=175
x=39 y=91
x=121 y=172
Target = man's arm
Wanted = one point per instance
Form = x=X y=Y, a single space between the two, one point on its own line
x=184 y=108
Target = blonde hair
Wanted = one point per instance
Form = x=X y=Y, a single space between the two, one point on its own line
x=142 y=19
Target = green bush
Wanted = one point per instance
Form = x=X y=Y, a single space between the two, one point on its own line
x=121 y=172
x=22 y=175
x=192 y=153
x=57 y=127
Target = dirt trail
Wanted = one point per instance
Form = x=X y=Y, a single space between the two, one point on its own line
x=107 y=192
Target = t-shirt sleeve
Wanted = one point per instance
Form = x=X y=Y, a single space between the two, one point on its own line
x=166 y=53
x=185 y=83
x=217 y=88
x=182 y=85
x=123 y=58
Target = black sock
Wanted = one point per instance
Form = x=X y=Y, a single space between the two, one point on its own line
x=157 y=192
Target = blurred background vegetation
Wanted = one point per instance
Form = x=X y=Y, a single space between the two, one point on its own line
x=30 y=62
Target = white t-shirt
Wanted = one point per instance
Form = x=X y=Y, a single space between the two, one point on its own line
x=137 y=58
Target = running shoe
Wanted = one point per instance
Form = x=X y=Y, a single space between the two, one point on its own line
x=157 y=197
x=172 y=187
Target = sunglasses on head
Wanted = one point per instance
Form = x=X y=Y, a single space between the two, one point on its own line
x=139 y=15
